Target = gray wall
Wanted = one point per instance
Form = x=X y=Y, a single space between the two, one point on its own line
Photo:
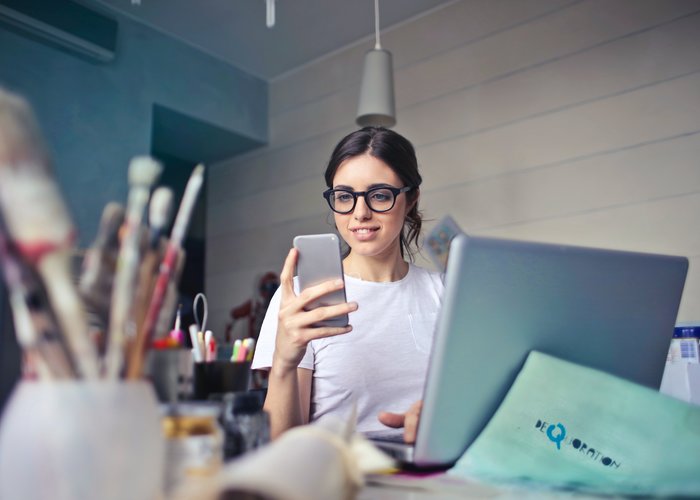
x=553 y=120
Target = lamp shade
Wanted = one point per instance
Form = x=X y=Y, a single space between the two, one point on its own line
x=376 y=105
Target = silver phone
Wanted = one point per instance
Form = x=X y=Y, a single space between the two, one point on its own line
x=318 y=261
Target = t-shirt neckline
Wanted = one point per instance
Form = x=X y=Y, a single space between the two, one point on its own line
x=382 y=283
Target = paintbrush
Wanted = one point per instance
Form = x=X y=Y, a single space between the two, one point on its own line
x=99 y=265
x=158 y=217
x=143 y=174
x=159 y=211
x=34 y=326
x=167 y=268
x=38 y=222
x=170 y=301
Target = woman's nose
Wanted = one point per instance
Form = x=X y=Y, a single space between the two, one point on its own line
x=362 y=211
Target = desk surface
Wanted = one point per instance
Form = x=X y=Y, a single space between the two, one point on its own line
x=372 y=492
x=433 y=490
x=195 y=489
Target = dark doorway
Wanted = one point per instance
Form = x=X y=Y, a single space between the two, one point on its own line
x=180 y=142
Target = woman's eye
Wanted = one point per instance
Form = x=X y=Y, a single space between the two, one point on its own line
x=343 y=197
x=381 y=196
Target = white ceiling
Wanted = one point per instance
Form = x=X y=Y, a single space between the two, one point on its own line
x=235 y=31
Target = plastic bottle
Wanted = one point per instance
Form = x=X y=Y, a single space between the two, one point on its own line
x=684 y=345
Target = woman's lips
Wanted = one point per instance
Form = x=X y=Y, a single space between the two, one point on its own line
x=364 y=233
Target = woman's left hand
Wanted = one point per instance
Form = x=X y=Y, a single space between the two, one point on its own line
x=409 y=421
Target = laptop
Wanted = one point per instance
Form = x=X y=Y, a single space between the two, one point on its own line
x=610 y=310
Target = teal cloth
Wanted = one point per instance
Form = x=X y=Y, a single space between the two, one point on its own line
x=568 y=426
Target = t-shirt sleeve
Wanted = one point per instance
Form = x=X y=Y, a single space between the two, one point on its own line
x=265 y=346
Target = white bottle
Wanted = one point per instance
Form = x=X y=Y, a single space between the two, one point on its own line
x=684 y=345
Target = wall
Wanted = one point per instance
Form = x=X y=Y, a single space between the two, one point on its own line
x=552 y=120
x=96 y=117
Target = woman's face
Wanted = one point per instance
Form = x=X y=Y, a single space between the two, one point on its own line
x=369 y=233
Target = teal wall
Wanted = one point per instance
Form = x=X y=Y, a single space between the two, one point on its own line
x=95 y=116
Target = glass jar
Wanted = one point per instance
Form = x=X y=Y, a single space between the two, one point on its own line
x=193 y=442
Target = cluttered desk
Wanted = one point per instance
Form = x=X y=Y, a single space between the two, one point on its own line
x=562 y=406
x=531 y=389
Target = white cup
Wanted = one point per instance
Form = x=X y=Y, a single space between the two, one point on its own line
x=78 y=440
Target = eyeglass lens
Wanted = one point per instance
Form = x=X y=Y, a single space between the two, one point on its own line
x=379 y=200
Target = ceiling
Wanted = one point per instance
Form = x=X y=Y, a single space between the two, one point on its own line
x=235 y=31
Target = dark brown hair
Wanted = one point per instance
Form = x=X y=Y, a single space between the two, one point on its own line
x=398 y=153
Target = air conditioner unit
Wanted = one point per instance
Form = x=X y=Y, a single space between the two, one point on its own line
x=63 y=23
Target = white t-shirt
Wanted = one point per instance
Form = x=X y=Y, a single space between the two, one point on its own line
x=382 y=362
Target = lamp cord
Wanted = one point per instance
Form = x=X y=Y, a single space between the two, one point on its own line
x=377 y=45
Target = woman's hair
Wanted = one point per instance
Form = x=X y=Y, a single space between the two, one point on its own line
x=398 y=153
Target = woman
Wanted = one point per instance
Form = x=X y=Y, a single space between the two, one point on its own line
x=378 y=363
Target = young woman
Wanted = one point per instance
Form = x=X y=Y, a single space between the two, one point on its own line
x=378 y=363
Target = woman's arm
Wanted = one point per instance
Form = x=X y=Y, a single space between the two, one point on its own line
x=288 y=398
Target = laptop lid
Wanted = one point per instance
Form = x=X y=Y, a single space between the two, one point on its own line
x=610 y=310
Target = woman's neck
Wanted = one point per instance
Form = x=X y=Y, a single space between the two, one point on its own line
x=376 y=268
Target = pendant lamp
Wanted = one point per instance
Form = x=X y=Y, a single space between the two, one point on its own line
x=376 y=105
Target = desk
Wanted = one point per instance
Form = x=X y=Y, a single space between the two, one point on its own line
x=392 y=493
x=465 y=491
x=196 y=489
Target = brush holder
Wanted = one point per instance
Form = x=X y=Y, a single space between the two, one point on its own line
x=213 y=379
x=81 y=440
x=171 y=371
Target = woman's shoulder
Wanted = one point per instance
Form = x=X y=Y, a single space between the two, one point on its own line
x=426 y=277
x=422 y=272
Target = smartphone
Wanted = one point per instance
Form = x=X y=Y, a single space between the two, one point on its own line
x=318 y=261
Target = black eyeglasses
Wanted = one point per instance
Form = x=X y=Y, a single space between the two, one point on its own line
x=378 y=199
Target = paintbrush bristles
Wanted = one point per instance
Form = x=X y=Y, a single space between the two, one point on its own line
x=100 y=258
x=112 y=219
x=20 y=137
x=144 y=171
x=33 y=207
x=159 y=208
x=100 y=262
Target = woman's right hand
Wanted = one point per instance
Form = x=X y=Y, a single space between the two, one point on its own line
x=294 y=330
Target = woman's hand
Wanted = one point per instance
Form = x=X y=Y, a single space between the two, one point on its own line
x=409 y=421
x=294 y=330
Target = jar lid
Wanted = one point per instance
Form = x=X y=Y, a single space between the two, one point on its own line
x=192 y=409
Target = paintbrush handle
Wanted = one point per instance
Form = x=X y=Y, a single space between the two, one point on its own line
x=49 y=357
x=64 y=299
x=184 y=212
x=145 y=334
x=124 y=282
x=148 y=275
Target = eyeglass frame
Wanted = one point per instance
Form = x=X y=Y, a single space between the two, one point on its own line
x=355 y=194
